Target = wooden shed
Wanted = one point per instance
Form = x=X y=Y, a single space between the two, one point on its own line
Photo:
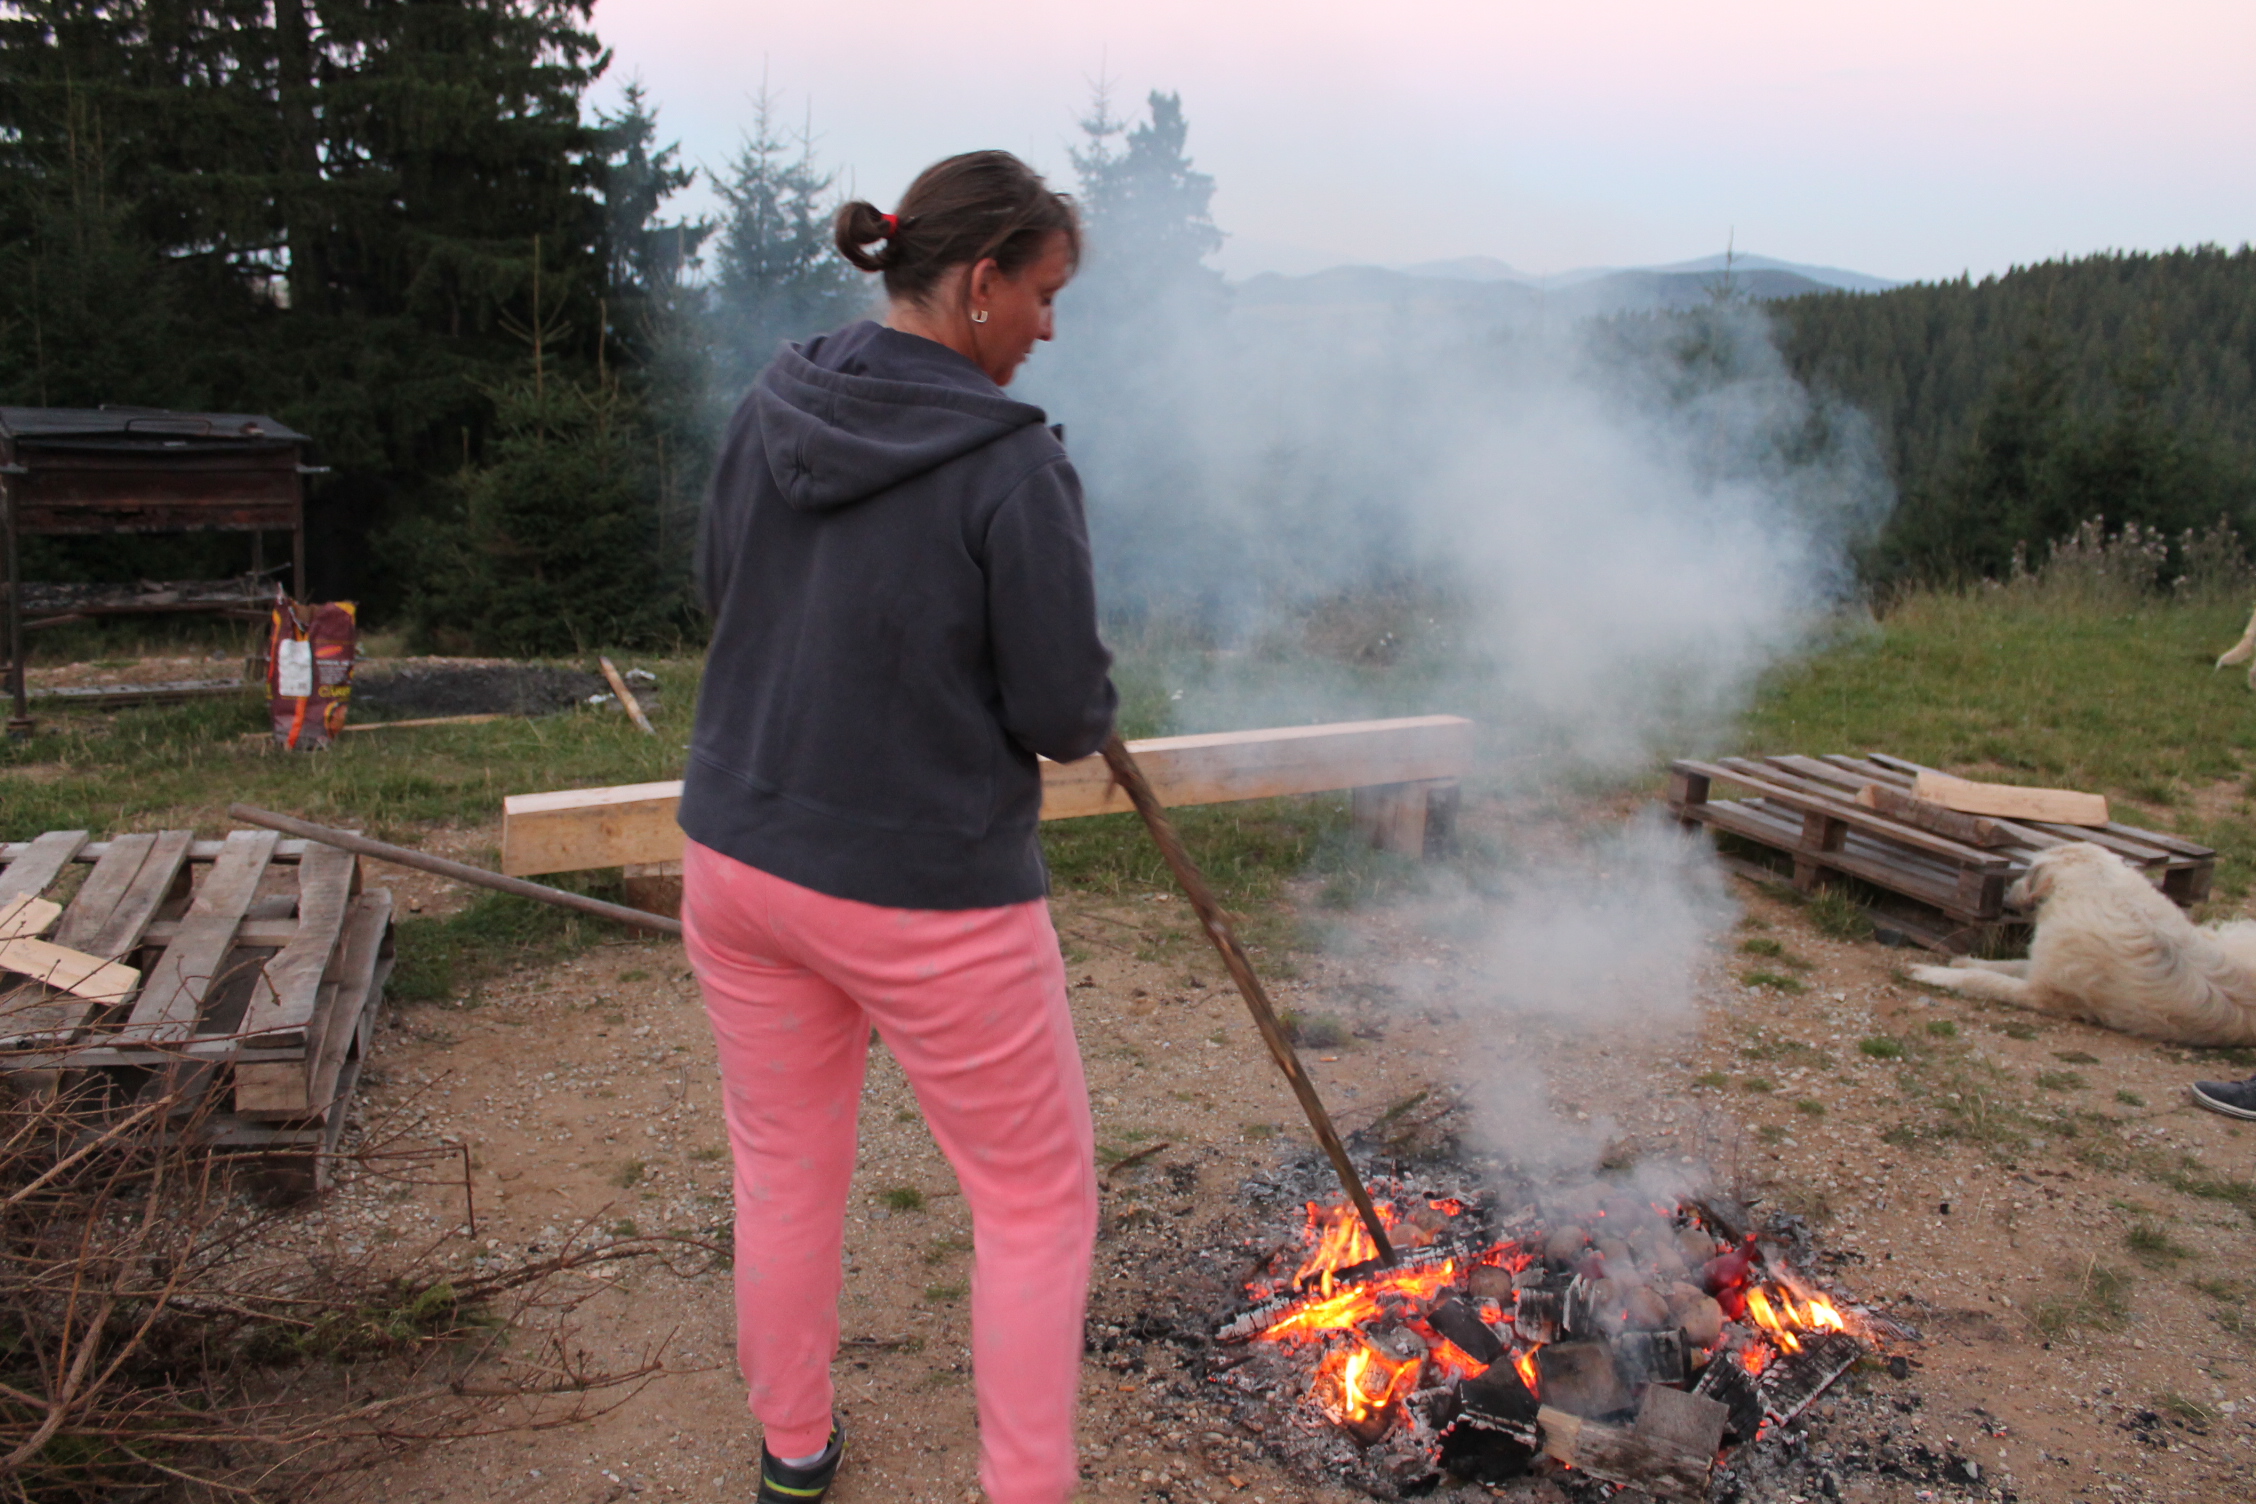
x=109 y=470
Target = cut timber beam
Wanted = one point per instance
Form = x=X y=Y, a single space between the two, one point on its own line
x=2010 y=801
x=573 y=830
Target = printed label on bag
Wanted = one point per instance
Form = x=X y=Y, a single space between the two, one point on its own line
x=294 y=669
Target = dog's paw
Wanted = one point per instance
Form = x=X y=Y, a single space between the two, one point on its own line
x=1938 y=976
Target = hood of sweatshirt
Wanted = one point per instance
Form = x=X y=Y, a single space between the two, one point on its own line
x=847 y=415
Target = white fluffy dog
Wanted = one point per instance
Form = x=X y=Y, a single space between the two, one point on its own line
x=2112 y=950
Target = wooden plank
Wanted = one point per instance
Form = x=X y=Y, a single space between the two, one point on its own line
x=427 y=720
x=200 y=851
x=72 y=971
x=2050 y=806
x=169 y=1005
x=1763 y=781
x=1970 y=830
x=272 y=934
x=120 y=927
x=27 y=915
x=282 y=999
x=307 y=1087
x=1780 y=835
x=571 y=830
x=2138 y=844
x=1654 y=1463
x=1221 y=767
x=39 y=862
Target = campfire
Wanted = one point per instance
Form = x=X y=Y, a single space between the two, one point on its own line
x=1636 y=1342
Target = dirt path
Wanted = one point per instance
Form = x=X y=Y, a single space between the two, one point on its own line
x=2046 y=1227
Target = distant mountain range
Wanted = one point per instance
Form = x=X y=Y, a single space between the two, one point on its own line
x=1483 y=284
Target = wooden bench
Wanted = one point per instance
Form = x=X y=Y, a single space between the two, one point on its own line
x=1805 y=810
x=1403 y=772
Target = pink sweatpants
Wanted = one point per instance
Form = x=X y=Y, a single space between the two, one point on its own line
x=972 y=1002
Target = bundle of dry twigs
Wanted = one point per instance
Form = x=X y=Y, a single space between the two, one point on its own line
x=156 y=1342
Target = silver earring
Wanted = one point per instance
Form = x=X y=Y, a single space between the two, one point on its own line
x=979 y=315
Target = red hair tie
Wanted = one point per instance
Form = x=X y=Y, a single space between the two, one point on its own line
x=892 y=225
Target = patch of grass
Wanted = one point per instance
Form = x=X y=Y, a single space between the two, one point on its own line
x=1942 y=1028
x=623 y=1228
x=442 y=958
x=2192 y=1412
x=2018 y=1030
x=2075 y=1057
x=2100 y=1298
x=2061 y=1080
x=1760 y=945
x=2154 y=1247
x=1810 y=1107
x=1772 y=1133
x=1248 y=851
x=1757 y=1084
x=628 y=1174
x=1880 y=1047
x=1258 y=1133
x=1318 y=1031
x=901 y=1198
x=1837 y=916
x=708 y=1156
x=2221 y=1289
x=180 y=765
x=944 y=1249
x=2128 y=1097
x=1776 y=980
x=2189 y=1179
x=1715 y=1080
x=950 y=1291
x=1787 y=1052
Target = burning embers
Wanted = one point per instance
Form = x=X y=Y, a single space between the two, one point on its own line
x=1631 y=1344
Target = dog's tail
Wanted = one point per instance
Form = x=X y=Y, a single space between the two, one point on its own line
x=2243 y=650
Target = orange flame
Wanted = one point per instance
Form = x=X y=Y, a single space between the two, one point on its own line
x=1341 y=1241
x=1525 y=1364
x=1785 y=1312
x=1367 y=1380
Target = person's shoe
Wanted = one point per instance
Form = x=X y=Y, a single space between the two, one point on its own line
x=2235 y=1099
x=781 y=1483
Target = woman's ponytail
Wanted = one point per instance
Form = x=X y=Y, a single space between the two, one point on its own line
x=862 y=224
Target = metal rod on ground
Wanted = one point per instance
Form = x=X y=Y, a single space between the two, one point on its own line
x=1225 y=938
x=403 y=856
x=627 y=701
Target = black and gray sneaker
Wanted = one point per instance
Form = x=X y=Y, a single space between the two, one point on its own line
x=2235 y=1099
x=780 y=1483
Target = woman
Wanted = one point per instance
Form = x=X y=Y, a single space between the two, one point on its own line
x=898 y=567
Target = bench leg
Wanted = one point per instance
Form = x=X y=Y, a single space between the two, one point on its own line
x=654 y=887
x=1392 y=817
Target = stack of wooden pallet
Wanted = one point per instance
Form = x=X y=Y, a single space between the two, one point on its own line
x=243 y=973
x=1954 y=873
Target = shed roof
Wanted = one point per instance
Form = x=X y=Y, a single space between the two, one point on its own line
x=154 y=427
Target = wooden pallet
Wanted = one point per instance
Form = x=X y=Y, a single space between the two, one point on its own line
x=1947 y=895
x=260 y=962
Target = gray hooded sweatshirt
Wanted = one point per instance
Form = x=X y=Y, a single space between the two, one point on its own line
x=897 y=564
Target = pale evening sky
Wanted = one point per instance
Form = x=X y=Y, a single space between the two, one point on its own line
x=1909 y=140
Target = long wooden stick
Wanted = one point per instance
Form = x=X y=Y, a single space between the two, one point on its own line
x=384 y=851
x=1225 y=938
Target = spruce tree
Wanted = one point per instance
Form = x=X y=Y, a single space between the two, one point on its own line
x=777 y=276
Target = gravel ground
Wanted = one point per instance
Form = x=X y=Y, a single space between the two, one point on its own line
x=2046 y=1227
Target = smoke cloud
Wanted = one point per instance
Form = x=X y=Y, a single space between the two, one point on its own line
x=1593 y=538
